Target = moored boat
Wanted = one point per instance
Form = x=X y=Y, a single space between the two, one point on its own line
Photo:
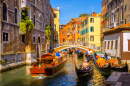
x=102 y=64
x=48 y=66
x=117 y=65
x=84 y=73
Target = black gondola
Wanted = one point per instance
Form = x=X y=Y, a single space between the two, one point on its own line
x=105 y=68
x=121 y=69
x=84 y=73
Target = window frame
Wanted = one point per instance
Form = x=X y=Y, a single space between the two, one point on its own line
x=93 y=38
x=16 y=15
x=8 y=37
x=35 y=39
x=63 y=32
x=42 y=40
x=92 y=21
x=3 y=12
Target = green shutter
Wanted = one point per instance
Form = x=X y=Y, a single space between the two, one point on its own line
x=93 y=29
x=86 y=30
x=90 y=29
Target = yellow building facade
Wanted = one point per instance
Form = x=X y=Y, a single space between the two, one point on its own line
x=91 y=31
x=56 y=20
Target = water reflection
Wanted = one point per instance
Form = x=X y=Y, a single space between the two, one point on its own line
x=67 y=77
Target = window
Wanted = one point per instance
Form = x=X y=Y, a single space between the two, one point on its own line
x=78 y=25
x=63 y=32
x=108 y=44
x=43 y=40
x=43 y=7
x=63 y=39
x=34 y=20
x=4 y=12
x=5 y=37
x=55 y=16
x=111 y=44
x=78 y=31
x=34 y=2
x=116 y=44
x=38 y=40
x=34 y=39
x=23 y=38
x=54 y=27
x=105 y=45
x=128 y=45
x=43 y=27
x=125 y=7
x=91 y=29
x=91 y=38
x=125 y=21
x=16 y=16
x=91 y=20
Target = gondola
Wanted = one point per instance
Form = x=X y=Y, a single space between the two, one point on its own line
x=122 y=68
x=84 y=73
x=105 y=68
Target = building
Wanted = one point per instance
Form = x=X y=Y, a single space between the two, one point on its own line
x=91 y=31
x=126 y=11
x=116 y=37
x=76 y=29
x=12 y=41
x=115 y=13
x=63 y=36
x=56 y=20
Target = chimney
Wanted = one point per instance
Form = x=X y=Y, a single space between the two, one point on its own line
x=58 y=7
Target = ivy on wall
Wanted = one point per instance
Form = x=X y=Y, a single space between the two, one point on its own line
x=26 y=24
x=48 y=32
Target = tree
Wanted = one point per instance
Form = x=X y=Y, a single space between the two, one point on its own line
x=83 y=15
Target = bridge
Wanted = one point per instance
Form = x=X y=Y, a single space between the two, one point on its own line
x=60 y=48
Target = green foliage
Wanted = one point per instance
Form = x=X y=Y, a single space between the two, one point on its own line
x=3 y=62
x=48 y=32
x=105 y=17
x=25 y=23
x=83 y=15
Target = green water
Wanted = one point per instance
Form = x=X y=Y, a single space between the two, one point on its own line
x=67 y=77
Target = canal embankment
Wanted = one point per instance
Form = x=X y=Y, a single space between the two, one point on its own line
x=11 y=61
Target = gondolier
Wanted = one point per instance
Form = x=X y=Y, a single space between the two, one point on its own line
x=90 y=56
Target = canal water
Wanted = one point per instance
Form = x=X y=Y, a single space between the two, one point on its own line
x=67 y=77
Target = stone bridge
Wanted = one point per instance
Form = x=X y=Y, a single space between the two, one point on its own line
x=60 y=48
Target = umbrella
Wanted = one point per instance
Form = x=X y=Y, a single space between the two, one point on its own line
x=57 y=54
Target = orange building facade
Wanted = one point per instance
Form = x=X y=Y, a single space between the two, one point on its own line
x=63 y=36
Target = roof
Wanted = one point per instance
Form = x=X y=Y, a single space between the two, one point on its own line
x=125 y=26
x=55 y=9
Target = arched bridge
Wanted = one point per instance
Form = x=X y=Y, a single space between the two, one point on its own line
x=60 y=48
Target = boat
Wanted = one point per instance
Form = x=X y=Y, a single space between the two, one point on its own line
x=84 y=73
x=48 y=66
x=102 y=64
x=105 y=68
x=119 y=66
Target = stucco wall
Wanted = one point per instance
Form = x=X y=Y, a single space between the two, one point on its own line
x=113 y=38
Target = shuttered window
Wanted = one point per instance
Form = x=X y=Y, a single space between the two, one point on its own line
x=91 y=29
x=86 y=30
x=128 y=45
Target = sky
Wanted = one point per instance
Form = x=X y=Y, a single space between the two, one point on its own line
x=73 y=8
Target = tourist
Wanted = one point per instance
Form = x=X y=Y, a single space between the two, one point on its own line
x=90 y=56
x=85 y=65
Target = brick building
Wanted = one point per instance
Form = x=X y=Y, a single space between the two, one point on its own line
x=11 y=40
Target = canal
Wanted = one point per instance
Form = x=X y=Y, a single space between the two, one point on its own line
x=67 y=77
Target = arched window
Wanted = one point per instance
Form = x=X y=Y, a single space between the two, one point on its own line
x=34 y=20
x=91 y=38
x=34 y=2
x=4 y=11
x=16 y=16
